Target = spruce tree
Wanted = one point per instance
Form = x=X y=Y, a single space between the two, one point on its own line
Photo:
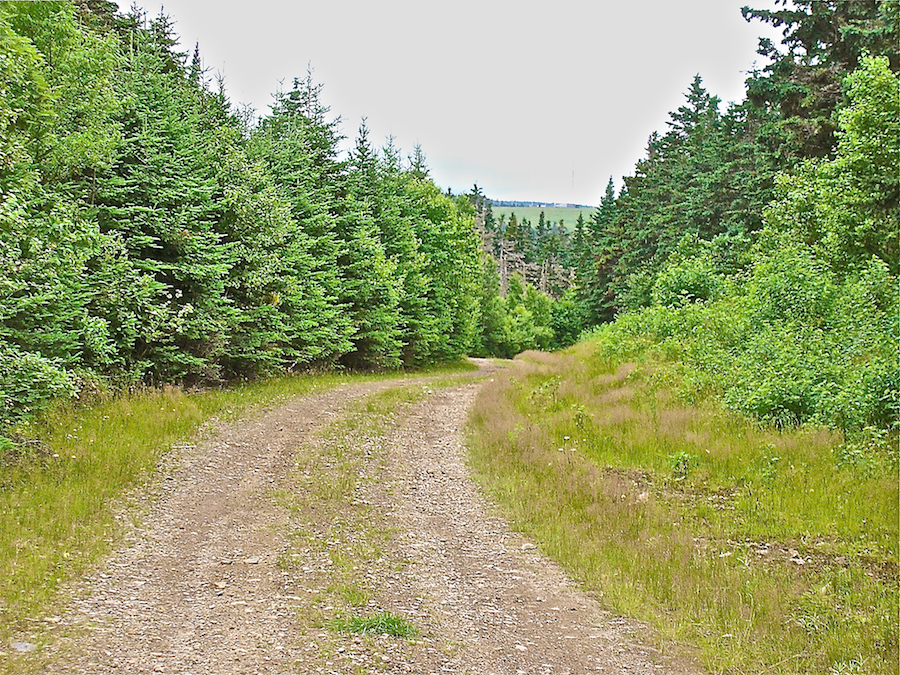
x=823 y=42
x=298 y=144
x=160 y=197
x=418 y=165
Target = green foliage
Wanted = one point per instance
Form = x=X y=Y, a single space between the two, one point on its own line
x=802 y=325
x=786 y=347
x=44 y=260
x=81 y=67
x=687 y=277
x=47 y=247
x=682 y=463
x=284 y=314
x=147 y=234
x=27 y=381
x=701 y=180
x=712 y=174
x=160 y=198
x=822 y=44
x=521 y=321
x=297 y=144
x=789 y=284
x=847 y=207
x=449 y=245
x=567 y=320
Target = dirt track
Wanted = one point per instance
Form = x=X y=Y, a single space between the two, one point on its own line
x=214 y=582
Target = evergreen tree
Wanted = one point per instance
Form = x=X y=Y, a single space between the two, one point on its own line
x=540 y=235
x=597 y=294
x=161 y=199
x=379 y=182
x=196 y=70
x=513 y=232
x=272 y=279
x=526 y=242
x=490 y=224
x=297 y=143
x=491 y=335
x=446 y=229
x=581 y=251
x=417 y=164
x=822 y=44
x=684 y=186
x=476 y=196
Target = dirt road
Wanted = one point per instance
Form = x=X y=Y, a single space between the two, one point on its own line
x=260 y=543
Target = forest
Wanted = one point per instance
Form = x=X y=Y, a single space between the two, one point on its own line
x=150 y=236
x=152 y=232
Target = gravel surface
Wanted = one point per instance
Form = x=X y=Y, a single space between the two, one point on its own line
x=201 y=588
x=504 y=606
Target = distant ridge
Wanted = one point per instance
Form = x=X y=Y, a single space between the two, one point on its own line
x=557 y=205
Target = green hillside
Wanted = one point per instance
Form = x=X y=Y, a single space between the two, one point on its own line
x=553 y=214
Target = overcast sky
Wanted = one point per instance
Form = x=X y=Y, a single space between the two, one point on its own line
x=533 y=101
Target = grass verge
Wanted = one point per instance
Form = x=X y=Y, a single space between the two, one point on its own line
x=764 y=550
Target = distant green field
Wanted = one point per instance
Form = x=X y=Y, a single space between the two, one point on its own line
x=553 y=214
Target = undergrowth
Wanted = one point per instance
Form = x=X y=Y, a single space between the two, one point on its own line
x=764 y=550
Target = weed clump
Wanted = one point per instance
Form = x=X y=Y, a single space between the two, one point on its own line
x=383 y=623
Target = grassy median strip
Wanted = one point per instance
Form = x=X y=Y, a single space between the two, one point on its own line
x=339 y=555
x=383 y=623
x=765 y=550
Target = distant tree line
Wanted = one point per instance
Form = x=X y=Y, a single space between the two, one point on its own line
x=506 y=202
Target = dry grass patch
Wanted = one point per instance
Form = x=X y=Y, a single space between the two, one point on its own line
x=760 y=548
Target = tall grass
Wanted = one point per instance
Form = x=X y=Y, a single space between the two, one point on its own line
x=763 y=550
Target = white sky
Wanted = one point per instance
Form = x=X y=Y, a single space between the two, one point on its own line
x=533 y=101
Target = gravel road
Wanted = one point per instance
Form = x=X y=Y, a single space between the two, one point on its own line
x=201 y=586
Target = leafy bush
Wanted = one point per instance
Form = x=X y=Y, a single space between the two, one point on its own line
x=788 y=283
x=27 y=382
x=685 y=281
